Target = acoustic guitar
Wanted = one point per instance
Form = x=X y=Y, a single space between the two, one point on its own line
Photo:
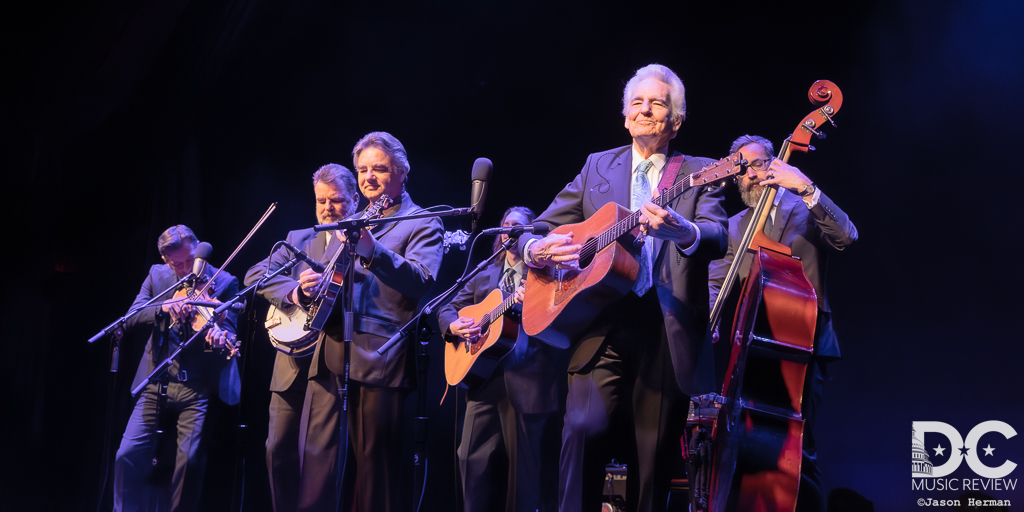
x=470 y=364
x=560 y=304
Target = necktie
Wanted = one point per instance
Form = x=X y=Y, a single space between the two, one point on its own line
x=642 y=194
x=769 y=223
x=508 y=281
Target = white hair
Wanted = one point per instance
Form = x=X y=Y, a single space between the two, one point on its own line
x=676 y=91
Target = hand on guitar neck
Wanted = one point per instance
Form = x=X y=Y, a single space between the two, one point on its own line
x=468 y=328
x=666 y=224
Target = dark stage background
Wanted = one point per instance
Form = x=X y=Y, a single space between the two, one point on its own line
x=122 y=118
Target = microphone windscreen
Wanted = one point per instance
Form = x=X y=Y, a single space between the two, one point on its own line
x=541 y=228
x=203 y=251
x=482 y=169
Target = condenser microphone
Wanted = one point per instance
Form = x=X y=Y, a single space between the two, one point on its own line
x=236 y=306
x=482 y=168
x=537 y=228
x=313 y=264
x=202 y=252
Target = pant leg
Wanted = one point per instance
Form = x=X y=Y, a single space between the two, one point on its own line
x=134 y=462
x=319 y=436
x=811 y=497
x=191 y=405
x=659 y=419
x=283 y=447
x=536 y=448
x=376 y=433
x=593 y=397
x=483 y=461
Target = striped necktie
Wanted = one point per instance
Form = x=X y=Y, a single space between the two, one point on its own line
x=641 y=195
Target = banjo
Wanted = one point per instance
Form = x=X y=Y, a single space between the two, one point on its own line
x=287 y=332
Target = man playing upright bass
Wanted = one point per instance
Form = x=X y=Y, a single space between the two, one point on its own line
x=812 y=226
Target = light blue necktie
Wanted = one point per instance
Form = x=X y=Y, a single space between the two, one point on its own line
x=641 y=195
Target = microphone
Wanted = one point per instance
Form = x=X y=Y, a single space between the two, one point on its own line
x=202 y=252
x=236 y=306
x=481 y=173
x=537 y=228
x=313 y=264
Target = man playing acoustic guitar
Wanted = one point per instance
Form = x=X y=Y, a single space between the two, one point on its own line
x=515 y=414
x=633 y=366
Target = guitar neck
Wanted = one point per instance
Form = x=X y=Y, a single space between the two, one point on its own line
x=496 y=313
x=714 y=172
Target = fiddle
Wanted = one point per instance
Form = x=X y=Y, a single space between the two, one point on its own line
x=198 y=316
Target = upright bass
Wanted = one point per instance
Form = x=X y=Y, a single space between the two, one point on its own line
x=758 y=437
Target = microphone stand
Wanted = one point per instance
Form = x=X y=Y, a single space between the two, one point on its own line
x=444 y=298
x=159 y=371
x=423 y=356
x=353 y=229
x=117 y=327
x=116 y=331
x=362 y=223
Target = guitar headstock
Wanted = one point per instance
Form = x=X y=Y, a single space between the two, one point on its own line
x=728 y=166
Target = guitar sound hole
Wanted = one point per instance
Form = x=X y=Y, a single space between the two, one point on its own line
x=586 y=260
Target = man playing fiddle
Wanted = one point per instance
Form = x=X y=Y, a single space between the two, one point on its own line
x=184 y=393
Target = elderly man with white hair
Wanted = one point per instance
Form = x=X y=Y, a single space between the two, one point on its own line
x=631 y=370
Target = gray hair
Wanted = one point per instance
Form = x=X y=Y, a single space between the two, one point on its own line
x=676 y=91
x=743 y=140
x=339 y=176
x=174 y=238
x=387 y=143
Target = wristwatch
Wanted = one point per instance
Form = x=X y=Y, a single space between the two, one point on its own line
x=808 y=190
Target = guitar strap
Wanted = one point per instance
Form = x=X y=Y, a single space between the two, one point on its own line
x=668 y=177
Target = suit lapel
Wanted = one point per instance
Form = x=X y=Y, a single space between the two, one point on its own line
x=318 y=247
x=494 y=275
x=784 y=213
x=621 y=175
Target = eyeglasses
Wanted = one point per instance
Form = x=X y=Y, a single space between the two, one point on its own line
x=759 y=164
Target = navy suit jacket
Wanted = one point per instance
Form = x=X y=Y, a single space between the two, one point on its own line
x=217 y=372
x=811 y=234
x=680 y=280
x=533 y=374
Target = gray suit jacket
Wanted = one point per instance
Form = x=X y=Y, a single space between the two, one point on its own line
x=680 y=280
x=406 y=258
x=811 y=234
